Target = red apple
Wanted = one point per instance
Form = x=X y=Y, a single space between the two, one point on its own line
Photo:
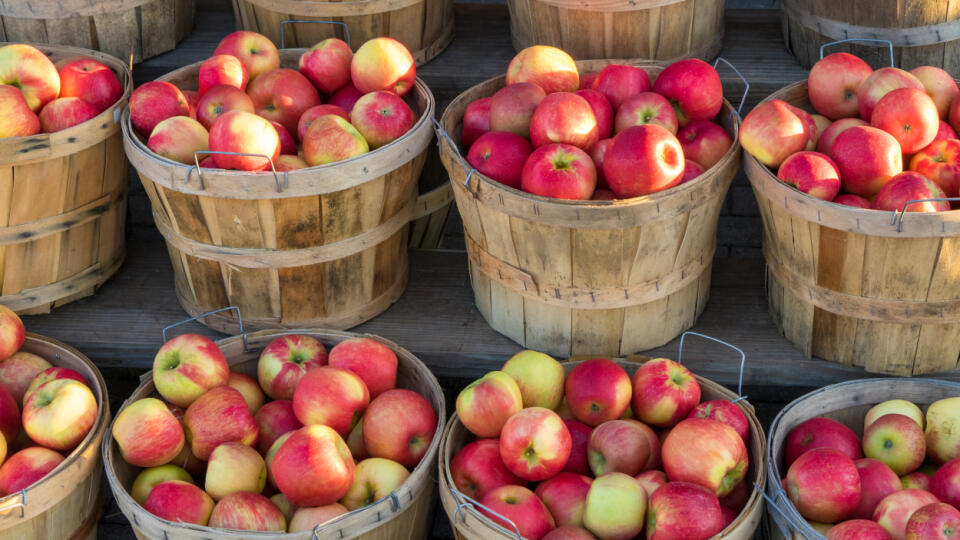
x=486 y=403
x=939 y=85
x=288 y=147
x=535 y=444
x=522 y=508
x=564 y=118
x=945 y=483
x=824 y=485
x=877 y=481
x=477 y=469
x=565 y=495
x=246 y=511
x=248 y=388
x=772 y=131
x=331 y=138
x=945 y=132
x=894 y=511
x=910 y=115
x=725 y=411
x=811 y=126
x=586 y=79
x=327 y=64
x=548 y=67
x=681 y=510
x=399 y=425
x=9 y=417
x=12 y=333
x=829 y=135
x=178 y=138
x=597 y=391
x=27 y=68
x=620 y=446
x=63 y=113
x=855 y=201
x=179 y=501
x=313 y=466
x=153 y=102
x=315 y=112
x=652 y=480
x=910 y=186
x=90 y=81
x=693 y=87
x=285 y=360
x=602 y=111
x=579 y=439
x=953 y=117
x=282 y=95
x=936 y=521
x=618 y=83
x=561 y=171
x=821 y=433
x=598 y=153
x=255 y=51
x=345 y=97
x=244 y=132
x=222 y=69
x=569 y=533
x=219 y=100
x=646 y=108
x=704 y=142
x=833 y=83
x=19 y=370
x=372 y=361
x=705 y=452
x=512 y=107
x=501 y=156
x=858 y=529
x=878 y=84
x=218 y=416
x=867 y=158
x=476 y=121
x=17 y=120
x=664 y=392
x=382 y=117
x=643 y=160
x=330 y=396
x=274 y=419
x=812 y=173
x=940 y=162
x=737 y=499
x=147 y=433
x=193 y=101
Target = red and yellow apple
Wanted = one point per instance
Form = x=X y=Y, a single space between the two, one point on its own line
x=312 y=466
x=179 y=501
x=643 y=160
x=833 y=83
x=257 y=53
x=284 y=361
x=535 y=444
x=218 y=416
x=66 y=112
x=59 y=414
x=234 y=467
x=247 y=511
x=177 y=138
x=478 y=469
x=399 y=424
x=222 y=69
x=147 y=433
x=187 y=366
x=330 y=139
x=327 y=64
x=90 y=81
x=706 y=452
x=220 y=100
x=245 y=133
x=597 y=391
x=374 y=479
x=484 y=405
x=330 y=396
x=382 y=117
x=383 y=64
x=548 y=67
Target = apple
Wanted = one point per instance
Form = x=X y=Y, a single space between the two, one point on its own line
x=877 y=481
x=704 y=142
x=486 y=403
x=248 y=388
x=500 y=155
x=153 y=102
x=193 y=101
x=382 y=117
x=477 y=469
x=939 y=85
x=285 y=360
x=306 y=519
x=286 y=507
x=561 y=171
x=737 y=499
x=910 y=186
x=597 y=390
x=811 y=127
x=691 y=171
x=255 y=51
x=579 y=439
x=383 y=64
x=179 y=501
x=327 y=64
x=274 y=419
x=234 y=467
x=664 y=392
x=27 y=68
x=512 y=108
x=646 y=108
x=652 y=480
x=693 y=87
x=916 y=480
x=26 y=467
x=374 y=479
x=535 y=444
x=565 y=495
x=910 y=115
x=12 y=332
x=59 y=414
x=894 y=511
x=586 y=79
x=271 y=453
x=247 y=511
x=282 y=95
x=345 y=97
x=943 y=439
x=936 y=521
x=881 y=82
x=187 y=366
x=147 y=433
x=220 y=100
x=620 y=446
x=857 y=529
x=643 y=160
x=812 y=173
x=19 y=370
x=312 y=466
x=945 y=483
x=312 y=114
x=289 y=163
x=355 y=442
x=706 y=452
x=51 y=374
x=63 y=113
x=177 y=138
x=399 y=425
x=856 y=201
x=821 y=433
x=330 y=396
x=598 y=153
x=569 y=533
x=90 y=81
x=218 y=416
x=954 y=115
x=222 y=69
x=539 y=377
x=288 y=147
x=681 y=510
x=893 y=406
x=150 y=477
x=9 y=418
x=824 y=485
x=830 y=133
x=602 y=111
x=940 y=161
x=616 y=507
x=522 y=507
x=945 y=132
x=833 y=83
x=331 y=138
x=822 y=123
x=772 y=131
x=564 y=118
x=548 y=67
x=476 y=121
x=725 y=411
x=867 y=158
x=618 y=83
x=897 y=441
x=247 y=133
x=17 y=120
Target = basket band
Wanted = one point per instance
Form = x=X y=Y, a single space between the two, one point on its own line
x=611 y=5
x=574 y=297
x=860 y=307
x=433 y=200
x=324 y=10
x=916 y=36
x=63 y=9
x=92 y=276
x=32 y=230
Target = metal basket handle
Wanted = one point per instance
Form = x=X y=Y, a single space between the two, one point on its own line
x=346 y=30
x=746 y=90
x=316 y=533
x=273 y=168
x=898 y=214
x=465 y=502
x=855 y=40
x=163 y=333
x=21 y=504
x=443 y=135
x=743 y=357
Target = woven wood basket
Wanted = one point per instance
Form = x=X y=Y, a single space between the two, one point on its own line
x=63 y=204
x=847 y=403
x=599 y=277
x=407 y=517
x=424 y=26
x=469 y=524
x=142 y=28
x=648 y=29
x=319 y=247
x=67 y=502
x=859 y=287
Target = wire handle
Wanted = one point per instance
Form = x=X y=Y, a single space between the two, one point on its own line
x=743 y=357
x=772 y=503
x=21 y=504
x=394 y=504
x=441 y=135
x=468 y=502
x=746 y=90
x=855 y=40
x=898 y=214
x=273 y=168
x=163 y=333
x=346 y=30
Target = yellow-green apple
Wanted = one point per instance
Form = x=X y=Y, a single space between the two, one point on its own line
x=822 y=123
x=602 y=111
x=939 y=85
x=244 y=132
x=269 y=455
x=915 y=480
x=374 y=479
x=330 y=396
x=26 y=467
x=704 y=142
x=187 y=366
x=63 y=113
x=943 y=435
x=893 y=406
x=17 y=120
x=25 y=67
x=856 y=201
x=539 y=377
x=284 y=361
x=288 y=146
x=620 y=446
x=327 y=64
x=693 y=88
x=382 y=117
x=643 y=160
x=12 y=332
x=312 y=114
x=219 y=100
x=500 y=155
x=565 y=495
x=51 y=374
x=877 y=481
x=937 y=521
x=664 y=392
x=772 y=131
x=910 y=115
x=476 y=121
x=812 y=173
x=945 y=483
x=579 y=439
x=90 y=81
x=355 y=442
x=477 y=469
x=19 y=370
x=616 y=507
x=646 y=108
x=346 y=97
x=222 y=69
x=177 y=138
x=255 y=51
x=945 y=132
x=548 y=67
x=894 y=511
x=248 y=388
x=331 y=138
x=147 y=433
x=619 y=82
x=286 y=162
x=879 y=84
x=247 y=511
x=824 y=485
x=383 y=64
x=369 y=359
x=725 y=411
x=683 y=510
x=306 y=519
x=821 y=433
x=58 y=414
x=829 y=135
x=274 y=419
x=705 y=452
x=652 y=480
x=857 y=529
x=486 y=403
x=897 y=441
x=910 y=186
x=9 y=417
x=597 y=390
x=313 y=466
x=282 y=95
x=522 y=507
x=234 y=467
x=569 y=533
x=867 y=158
x=179 y=501
x=399 y=424
x=566 y=118
x=833 y=83
x=512 y=107
x=150 y=477
x=193 y=101
x=560 y=171
x=287 y=508
x=940 y=162
x=153 y=102
x=218 y=416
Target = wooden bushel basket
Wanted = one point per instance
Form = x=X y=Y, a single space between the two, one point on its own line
x=423 y=26
x=323 y=247
x=63 y=204
x=859 y=287
x=143 y=28
x=847 y=403
x=598 y=277
x=660 y=30
x=66 y=503
x=404 y=517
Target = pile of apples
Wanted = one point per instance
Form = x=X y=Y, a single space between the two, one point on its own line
x=573 y=457
x=880 y=138
x=335 y=434
x=600 y=136
x=338 y=105
x=37 y=97
x=902 y=481
x=45 y=410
